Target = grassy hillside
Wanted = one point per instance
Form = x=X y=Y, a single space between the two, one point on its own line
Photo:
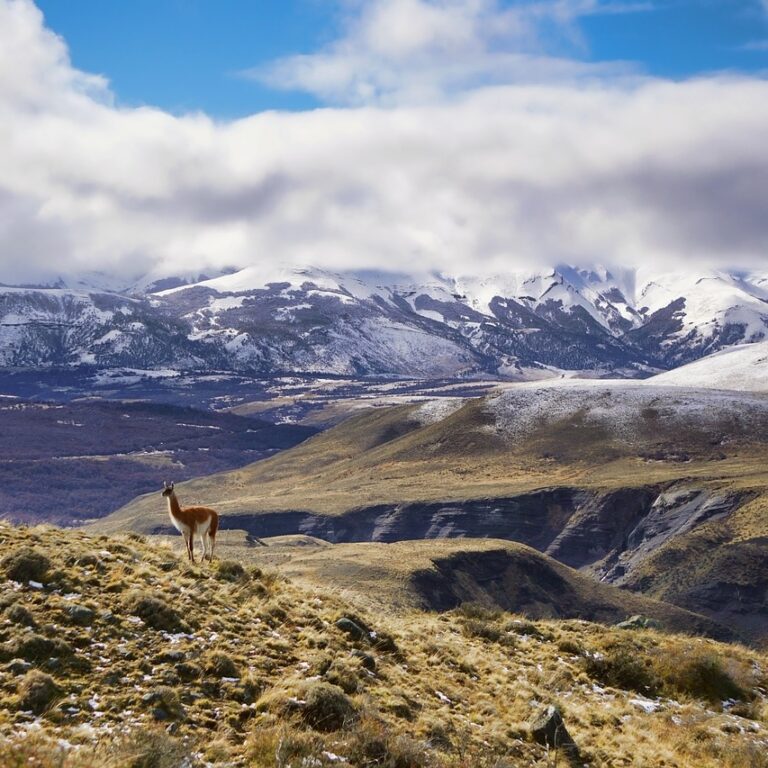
x=447 y=573
x=114 y=653
x=600 y=436
x=606 y=450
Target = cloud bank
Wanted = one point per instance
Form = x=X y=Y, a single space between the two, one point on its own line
x=582 y=169
x=417 y=51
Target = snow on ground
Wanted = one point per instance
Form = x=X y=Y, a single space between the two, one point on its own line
x=436 y=410
x=743 y=368
x=617 y=406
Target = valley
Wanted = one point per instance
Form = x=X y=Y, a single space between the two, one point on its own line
x=70 y=462
x=567 y=523
x=658 y=490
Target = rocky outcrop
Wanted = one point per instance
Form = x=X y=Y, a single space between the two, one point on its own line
x=674 y=512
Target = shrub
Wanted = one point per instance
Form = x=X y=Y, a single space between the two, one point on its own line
x=230 y=570
x=478 y=611
x=281 y=745
x=25 y=564
x=569 y=646
x=34 y=647
x=371 y=743
x=483 y=629
x=222 y=665
x=700 y=675
x=32 y=750
x=346 y=674
x=327 y=707
x=18 y=614
x=523 y=627
x=37 y=691
x=148 y=748
x=156 y=613
x=167 y=705
x=621 y=668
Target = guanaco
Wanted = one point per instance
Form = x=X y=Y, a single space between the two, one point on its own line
x=193 y=521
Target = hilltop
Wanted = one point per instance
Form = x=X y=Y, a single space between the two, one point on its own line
x=743 y=367
x=115 y=653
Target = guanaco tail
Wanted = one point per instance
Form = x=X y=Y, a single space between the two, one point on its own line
x=193 y=521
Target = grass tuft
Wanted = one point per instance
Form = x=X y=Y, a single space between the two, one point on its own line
x=25 y=564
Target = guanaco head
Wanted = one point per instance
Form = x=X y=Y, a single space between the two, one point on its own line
x=167 y=489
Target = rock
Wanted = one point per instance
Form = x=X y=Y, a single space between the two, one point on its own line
x=80 y=615
x=639 y=622
x=548 y=729
x=351 y=629
x=37 y=691
x=18 y=666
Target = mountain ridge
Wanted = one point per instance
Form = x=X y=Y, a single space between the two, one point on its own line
x=520 y=324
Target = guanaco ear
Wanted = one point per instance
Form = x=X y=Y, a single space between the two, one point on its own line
x=165 y=483
x=171 y=486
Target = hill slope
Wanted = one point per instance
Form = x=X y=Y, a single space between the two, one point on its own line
x=114 y=652
x=598 y=475
x=447 y=573
x=744 y=368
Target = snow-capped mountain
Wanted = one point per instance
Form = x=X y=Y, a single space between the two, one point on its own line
x=277 y=318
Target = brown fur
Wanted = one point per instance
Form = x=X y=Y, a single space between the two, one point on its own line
x=194 y=519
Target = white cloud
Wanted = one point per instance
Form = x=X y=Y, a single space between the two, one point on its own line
x=617 y=171
x=413 y=51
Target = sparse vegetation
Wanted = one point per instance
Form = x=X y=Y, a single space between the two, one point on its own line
x=460 y=689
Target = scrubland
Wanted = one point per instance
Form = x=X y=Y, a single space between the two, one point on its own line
x=115 y=652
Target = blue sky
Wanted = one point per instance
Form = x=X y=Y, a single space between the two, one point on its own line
x=186 y=55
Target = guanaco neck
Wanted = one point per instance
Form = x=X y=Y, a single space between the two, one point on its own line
x=174 y=508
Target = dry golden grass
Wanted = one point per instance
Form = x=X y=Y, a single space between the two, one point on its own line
x=265 y=677
x=386 y=456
